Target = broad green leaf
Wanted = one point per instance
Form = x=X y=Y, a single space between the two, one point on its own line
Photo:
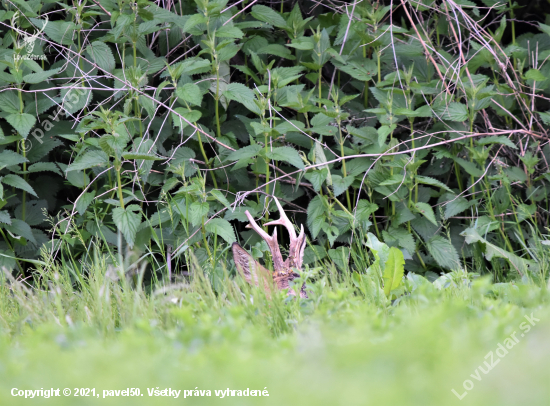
x=380 y=250
x=84 y=201
x=197 y=212
x=102 y=56
x=400 y=236
x=22 y=122
x=497 y=140
x=360 y=69
x=89 y=160
x=229 y=32
x=443 y=252
x=247 y=152
x=222 y=228
x=492 y=251
x=191 y=93
x=40 y=76
x=268 y=15
x=454 y=112
x=277 y=50
x=393 y=271
x=340 y=184
x=426 y=210
x=219 y=196
x=9 y=102
x=9 y=158
x=18 y=182
x=426 y=180
x=534 y=74
x=127 y=221
x=5 y=217
x=21 y=229
x=142 y=156
x=192 y=116
x=317 y=178
x=44 y=167
x=75 y=98
x=455 y=205
x=287 y=154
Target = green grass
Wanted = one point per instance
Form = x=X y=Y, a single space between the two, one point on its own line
x=337 y=348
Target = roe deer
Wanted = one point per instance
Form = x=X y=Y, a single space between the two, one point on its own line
x=252 y=271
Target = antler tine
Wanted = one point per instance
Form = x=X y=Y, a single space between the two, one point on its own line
x=271 y=241
x=283 y=221
x=268 y=239
x=301 y=247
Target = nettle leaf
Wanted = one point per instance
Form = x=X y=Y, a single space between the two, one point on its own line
x=191 y=93
x=197 y=212
x=221 y=228
x=61 y=32
x=426 y=210
x=9 y=158
x=287 y=154
x=247 y=152
x=219 y=196
x=535 y=74
x=18 y=182
x=340 y=256
x=454 y=112
x=102 y=56
x=401 y=237
x=127 y=221
x=34 y=212
x=22 y=122
x=241 y=94
x=9 y=102
x=40 y=76
x=360 y=69
x=340 y=184
x=426 y=180
x=229 y=32
x=90 y=159
x=277 y=50
x=268 y=15
x=5 y=217
x=443 y=252
x=192 y=116
x=75 y=98
x=455 y=205
x=317 y=178
x=20 y=228
x=142 y=156
x=44 y=167
x=84 y=201
x=394 y=270
x=545 y=117
x=383 y=133
x=497 y=140
x=182 y=157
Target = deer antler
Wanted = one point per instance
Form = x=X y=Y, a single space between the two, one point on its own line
x=283 y=274
x=271 y=241
x=297 y=244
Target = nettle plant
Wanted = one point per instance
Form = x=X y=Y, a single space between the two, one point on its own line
x=132 y=126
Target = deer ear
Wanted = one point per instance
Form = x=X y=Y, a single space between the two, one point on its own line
x=250 y=269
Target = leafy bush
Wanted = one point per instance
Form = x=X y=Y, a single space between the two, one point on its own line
x=131 y=125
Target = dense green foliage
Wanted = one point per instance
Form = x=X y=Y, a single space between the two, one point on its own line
x=160 y=127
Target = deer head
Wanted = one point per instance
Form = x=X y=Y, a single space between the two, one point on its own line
x=254 y=273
